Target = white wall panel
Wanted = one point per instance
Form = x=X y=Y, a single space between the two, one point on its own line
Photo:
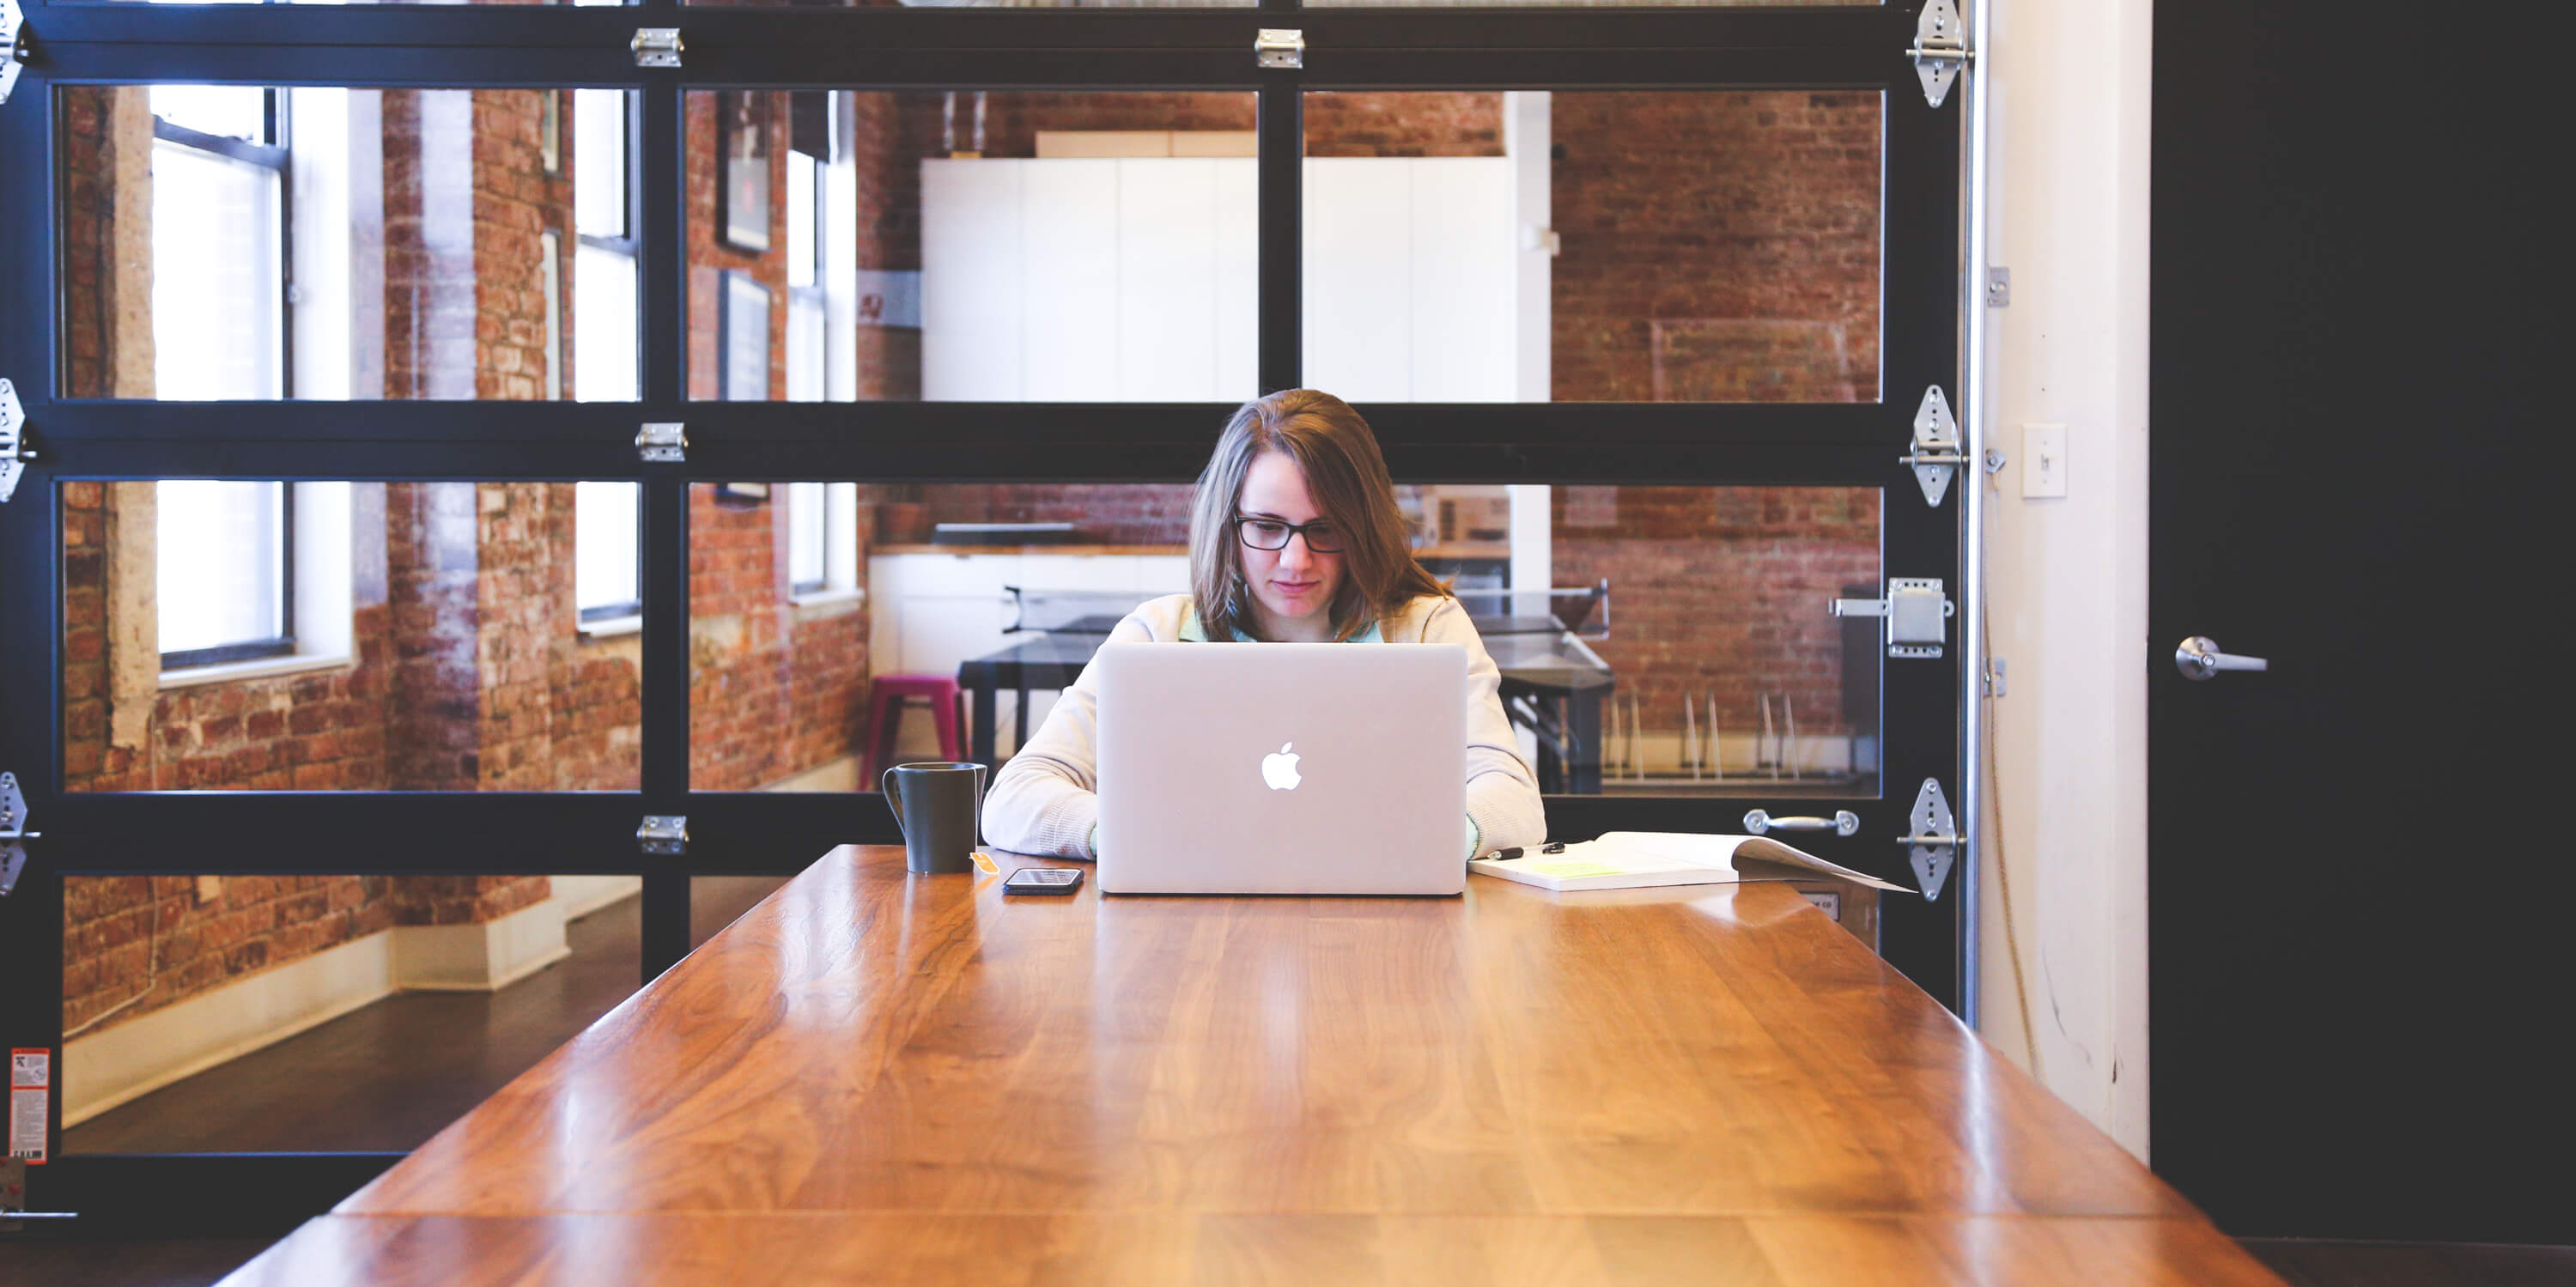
x=1069 y=280
x=970 y=281
x=1464 y=280
x=1238 y=280
x=1358 y=274
x=1167 y=290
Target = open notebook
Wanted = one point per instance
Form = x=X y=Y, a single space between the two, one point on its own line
x=1637 y=859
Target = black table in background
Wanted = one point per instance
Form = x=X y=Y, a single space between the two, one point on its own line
x=1539 y=659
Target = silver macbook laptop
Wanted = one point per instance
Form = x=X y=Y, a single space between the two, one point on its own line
x=1327 y=768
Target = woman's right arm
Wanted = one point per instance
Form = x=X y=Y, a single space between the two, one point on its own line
x=1043 y=801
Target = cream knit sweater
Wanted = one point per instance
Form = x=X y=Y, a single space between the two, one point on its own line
x=1043 y=801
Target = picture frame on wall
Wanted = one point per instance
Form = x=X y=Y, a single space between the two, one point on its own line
x=742 y=181
x=742 y=340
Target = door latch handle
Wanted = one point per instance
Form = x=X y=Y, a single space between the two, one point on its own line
x=2199 y=658
x=1843 y=823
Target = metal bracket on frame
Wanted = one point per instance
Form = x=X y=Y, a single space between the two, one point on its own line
x=663 y=833
x=13 y=437
x=13 y=833
x=13 y=46
x=1936 y=446
x=1279 y=47
x=1935 y=839
x=657 y=46
x=1843 y=823
x=1940 y=49
x=663 y=444
x=1915 y=607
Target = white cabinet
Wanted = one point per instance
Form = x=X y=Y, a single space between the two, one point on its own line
x=1133 y=279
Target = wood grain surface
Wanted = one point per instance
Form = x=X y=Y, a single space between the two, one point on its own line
x=918 y=1079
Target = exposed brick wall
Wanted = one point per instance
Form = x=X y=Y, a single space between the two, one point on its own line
x=106 y=266
x=710 y=257
x=151 y=941
x=1404 y=124
x=431 y=564
x=515 y=203
x=1107 y=513
x=772 y=690
x=1716 y=217
x=1723 y=590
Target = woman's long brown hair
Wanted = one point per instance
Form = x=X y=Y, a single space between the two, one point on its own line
x=1337 y=453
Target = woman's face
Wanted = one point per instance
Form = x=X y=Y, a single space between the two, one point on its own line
x=1292 y=588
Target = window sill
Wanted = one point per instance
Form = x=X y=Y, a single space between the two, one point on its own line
x=829 y=603
x=611 y=627
x=263 y=668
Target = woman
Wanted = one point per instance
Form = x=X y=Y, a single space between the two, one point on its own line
x=1294 y=538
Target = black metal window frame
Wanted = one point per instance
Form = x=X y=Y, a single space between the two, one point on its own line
x=1858 y=48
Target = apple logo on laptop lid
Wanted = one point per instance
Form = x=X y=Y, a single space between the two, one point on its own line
x=1279 y=769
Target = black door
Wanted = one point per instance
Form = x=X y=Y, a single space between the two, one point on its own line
x=2358 y=869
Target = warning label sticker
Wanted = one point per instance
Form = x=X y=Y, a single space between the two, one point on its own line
x=27 y=1123
x=31 y=1079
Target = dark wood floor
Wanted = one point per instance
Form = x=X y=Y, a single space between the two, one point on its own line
x=390 y=1075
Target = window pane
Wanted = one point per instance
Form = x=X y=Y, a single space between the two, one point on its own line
x=806 y=348
x=437 y=642
x=603 y=284
x=802 y=172
x=1659 y=246
x=412 y=223
x=805 y=527
x=322 y=1013
x=217 y=290
x=599 y=178
x=220 y=563
x=1653 y=640
x=606 y=518
x=982 y=246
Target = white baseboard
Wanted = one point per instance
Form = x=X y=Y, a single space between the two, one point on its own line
x=835 y=775
x=118 y=1065
x=582 y=895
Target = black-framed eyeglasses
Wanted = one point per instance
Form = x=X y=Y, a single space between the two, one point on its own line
x=1272 y=534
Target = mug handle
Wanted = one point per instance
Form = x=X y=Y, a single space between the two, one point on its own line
x=979 y=802
x=893 y=801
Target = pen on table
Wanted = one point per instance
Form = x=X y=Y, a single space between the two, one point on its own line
x=1506 y=855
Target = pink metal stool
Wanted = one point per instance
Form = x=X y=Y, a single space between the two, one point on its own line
x=887 y=695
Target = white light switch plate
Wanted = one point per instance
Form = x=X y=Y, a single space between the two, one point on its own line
x=2043 y=460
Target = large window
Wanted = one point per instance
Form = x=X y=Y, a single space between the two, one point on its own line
x=371 y=415
x=218 y=242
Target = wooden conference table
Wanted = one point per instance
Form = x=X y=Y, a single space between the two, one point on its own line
x=882 y=1079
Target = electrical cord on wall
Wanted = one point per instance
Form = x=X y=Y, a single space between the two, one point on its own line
x=151 y=972
x=1994 y=808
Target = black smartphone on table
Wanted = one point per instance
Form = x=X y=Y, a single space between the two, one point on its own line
x=1043 y=880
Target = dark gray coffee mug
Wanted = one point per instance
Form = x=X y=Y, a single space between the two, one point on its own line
x=936 y=804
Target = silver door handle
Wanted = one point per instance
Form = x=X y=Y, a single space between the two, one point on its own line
x=1843 y=823
x=2199 y=658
